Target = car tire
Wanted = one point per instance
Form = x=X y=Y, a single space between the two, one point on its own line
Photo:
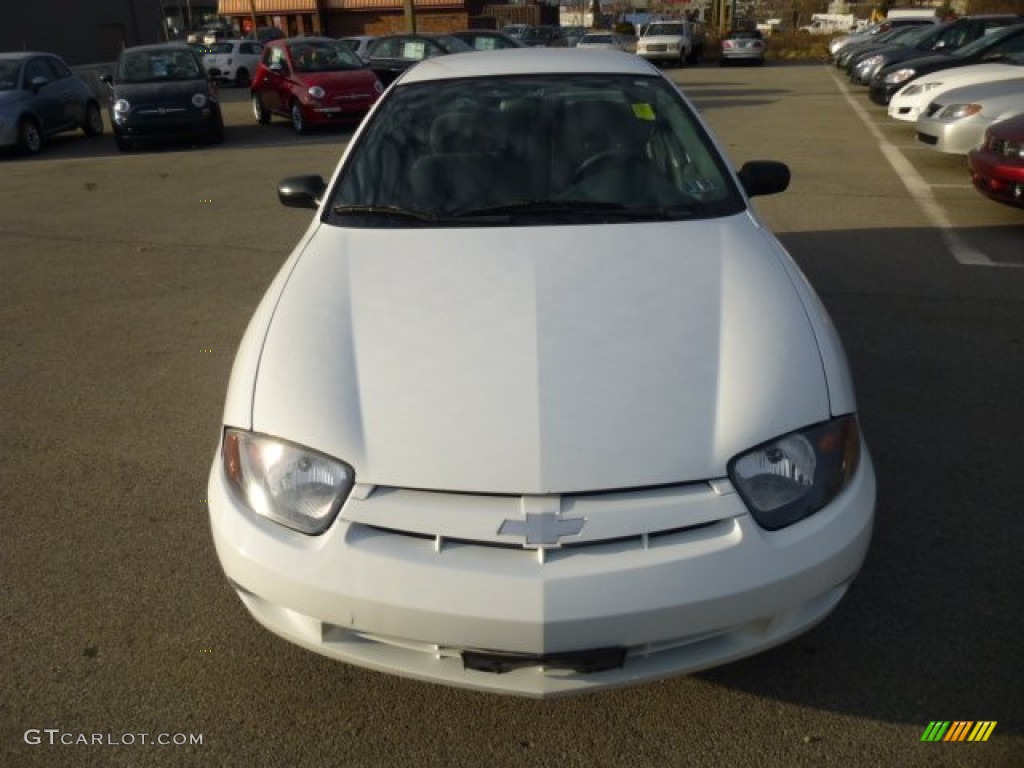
x=123 y=144
x=242 y=77
x=30 y=138
x=298 y=120
x=216 y=135
x=93 y=123
x=260 y=112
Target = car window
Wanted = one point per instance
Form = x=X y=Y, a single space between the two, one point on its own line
x=459 y=148
x=60 y=69
x=324 y=56
x=389 y=48
x=39 y=67
x=221 y=48
x=251 y=49
x=275 y=57
x=8 y=75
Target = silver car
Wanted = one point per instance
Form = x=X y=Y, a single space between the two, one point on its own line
x=39 y=97
x=955 y=122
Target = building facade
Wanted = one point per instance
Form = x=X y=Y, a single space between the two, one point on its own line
x=338 y=18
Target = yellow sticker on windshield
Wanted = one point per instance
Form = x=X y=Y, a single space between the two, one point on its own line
x=643 y=111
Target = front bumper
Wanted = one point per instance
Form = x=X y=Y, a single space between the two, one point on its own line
x=881 y=92
x=336 y=110
x=996 y=177
x=177 y=123
x=954 y=137
x=675 y=54
x=710 y=588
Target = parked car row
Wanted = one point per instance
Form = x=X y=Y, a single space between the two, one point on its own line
x=961 y=85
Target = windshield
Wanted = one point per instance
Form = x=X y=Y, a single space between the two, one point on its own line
x=991 y=40
x=517 y=150
x=923 y=37
x=664 y=29
x=158 y=66
x=324 y=56
x=221 y=48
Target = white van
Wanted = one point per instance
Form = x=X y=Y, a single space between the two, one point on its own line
x=678 y=42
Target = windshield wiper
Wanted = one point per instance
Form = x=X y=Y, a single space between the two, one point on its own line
x=585 y=207
x=384 y=210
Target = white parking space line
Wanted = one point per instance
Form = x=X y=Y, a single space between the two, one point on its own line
x=920 y=190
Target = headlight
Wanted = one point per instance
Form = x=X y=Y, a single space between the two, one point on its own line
x=1014 y=149
x=198 y=100
x=797 y=474
x=956 y=111
x=899 y=76
x=378 y=86
x=869 y=62
x=122 y=107
x=914 y=90
x=291 y=485
x=316 y=92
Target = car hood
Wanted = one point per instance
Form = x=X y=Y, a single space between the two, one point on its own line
x=662 y=38
x=975 y=73
x=932 y=62
x=165 y=94
x=539 y=360
x=343 y=80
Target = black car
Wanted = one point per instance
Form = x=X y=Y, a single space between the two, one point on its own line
x=487 y=39
x=391 y=55
x=544 y=36
x=163 y=92
x=894 y=36
x=995 y=46
x=947 y=37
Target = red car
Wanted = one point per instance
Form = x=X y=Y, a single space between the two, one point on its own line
x=997 y=166
x=312 y=81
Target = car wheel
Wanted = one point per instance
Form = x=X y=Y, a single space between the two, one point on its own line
x=298 y=121
x=123 y=144
x=93 y=124
x=259 y=111
x=682 y=59
x=216 y=135
x=242 y=78
x=30 y=139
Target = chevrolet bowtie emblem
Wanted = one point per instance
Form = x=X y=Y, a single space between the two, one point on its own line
x=543 y=530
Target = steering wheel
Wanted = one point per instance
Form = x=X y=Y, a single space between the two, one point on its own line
x=604 y=161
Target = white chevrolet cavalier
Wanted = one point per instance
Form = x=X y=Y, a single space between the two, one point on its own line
x=538 y=405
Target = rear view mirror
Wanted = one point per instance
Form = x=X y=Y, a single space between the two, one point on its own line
x=764 y=177
x=301 y=191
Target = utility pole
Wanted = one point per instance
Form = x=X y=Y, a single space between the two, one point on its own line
x=410 y=17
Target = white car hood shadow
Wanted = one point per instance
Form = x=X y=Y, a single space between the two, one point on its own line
x=539 y=360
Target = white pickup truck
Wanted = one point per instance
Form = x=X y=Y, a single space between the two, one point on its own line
x=672 y=42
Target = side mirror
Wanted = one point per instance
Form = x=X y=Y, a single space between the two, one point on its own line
x=37 y=83
x=107 y=80
x=764 y=177
x=302 y=191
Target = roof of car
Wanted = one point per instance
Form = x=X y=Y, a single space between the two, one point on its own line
x=526 y=61
x=175 y=46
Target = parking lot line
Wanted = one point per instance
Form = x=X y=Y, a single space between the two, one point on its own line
x=920 y=190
